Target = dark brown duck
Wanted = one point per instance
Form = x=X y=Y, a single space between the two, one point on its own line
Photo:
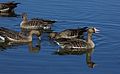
x=14 y=36
x=79 y=43
x=8 y=7
x=69 y=33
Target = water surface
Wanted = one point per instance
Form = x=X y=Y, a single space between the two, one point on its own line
x=103 y=14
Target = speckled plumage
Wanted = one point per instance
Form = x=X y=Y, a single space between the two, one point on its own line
x=14 y=36
x=78 y=43
x=8 y=7
x=35 y=23
x=71 y=43
x=69 y=33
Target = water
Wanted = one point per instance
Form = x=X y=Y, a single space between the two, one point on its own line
x=103 y=14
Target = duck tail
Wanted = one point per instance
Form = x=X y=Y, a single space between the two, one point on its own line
x=84 y=29
x=12 y=4
x=17 y=3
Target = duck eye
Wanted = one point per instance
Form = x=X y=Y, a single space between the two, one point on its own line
x=93 y=29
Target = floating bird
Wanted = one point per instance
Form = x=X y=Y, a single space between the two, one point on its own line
x=18 y=37
x=8 y=7
x=78 y=43
x=35 y=23
x=69 y=33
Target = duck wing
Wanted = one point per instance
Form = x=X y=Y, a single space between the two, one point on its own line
x=69 y=33
x=7 y=33
x=3 y=7
x=37 y=24
x=72 y=33
x=71 y=43
x=76 y=44
x=47 y=21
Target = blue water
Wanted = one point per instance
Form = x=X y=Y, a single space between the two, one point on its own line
x=102 y=14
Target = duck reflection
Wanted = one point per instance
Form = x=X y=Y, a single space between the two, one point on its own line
x=32 y=49
x=5 y=45
x=89 y=61
x=77 y=51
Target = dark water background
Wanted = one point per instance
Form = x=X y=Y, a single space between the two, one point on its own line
x=103 y=14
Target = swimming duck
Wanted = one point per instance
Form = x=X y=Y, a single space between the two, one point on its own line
x=78 y=43
x=18 y=37
x=8 y=7
x=35 y=23
x=69 y=33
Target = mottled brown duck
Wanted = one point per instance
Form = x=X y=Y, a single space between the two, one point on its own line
x=69 y=33
x=35 y=23
x=79 y=43
x=18 y=37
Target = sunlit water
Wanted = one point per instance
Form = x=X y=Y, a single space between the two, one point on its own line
x=102 y=14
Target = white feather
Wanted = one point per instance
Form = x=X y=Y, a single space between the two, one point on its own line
x=2 y=39
x=3 y=10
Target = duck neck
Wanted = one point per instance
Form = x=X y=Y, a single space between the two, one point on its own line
x=30 y=35
x=25 y=18
x=89 y=40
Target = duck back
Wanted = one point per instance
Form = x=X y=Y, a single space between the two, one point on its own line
x=7 y=33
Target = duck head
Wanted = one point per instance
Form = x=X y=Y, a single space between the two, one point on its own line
x=24 y=16
x=93 y=30
x=53 y=34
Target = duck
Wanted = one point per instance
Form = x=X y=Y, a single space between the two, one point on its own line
x=79 y=43
x=17 y=37
x=8 y=7
x=35 y=23
x=69 y=33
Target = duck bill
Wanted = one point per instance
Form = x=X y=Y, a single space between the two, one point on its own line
x=96 y=30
